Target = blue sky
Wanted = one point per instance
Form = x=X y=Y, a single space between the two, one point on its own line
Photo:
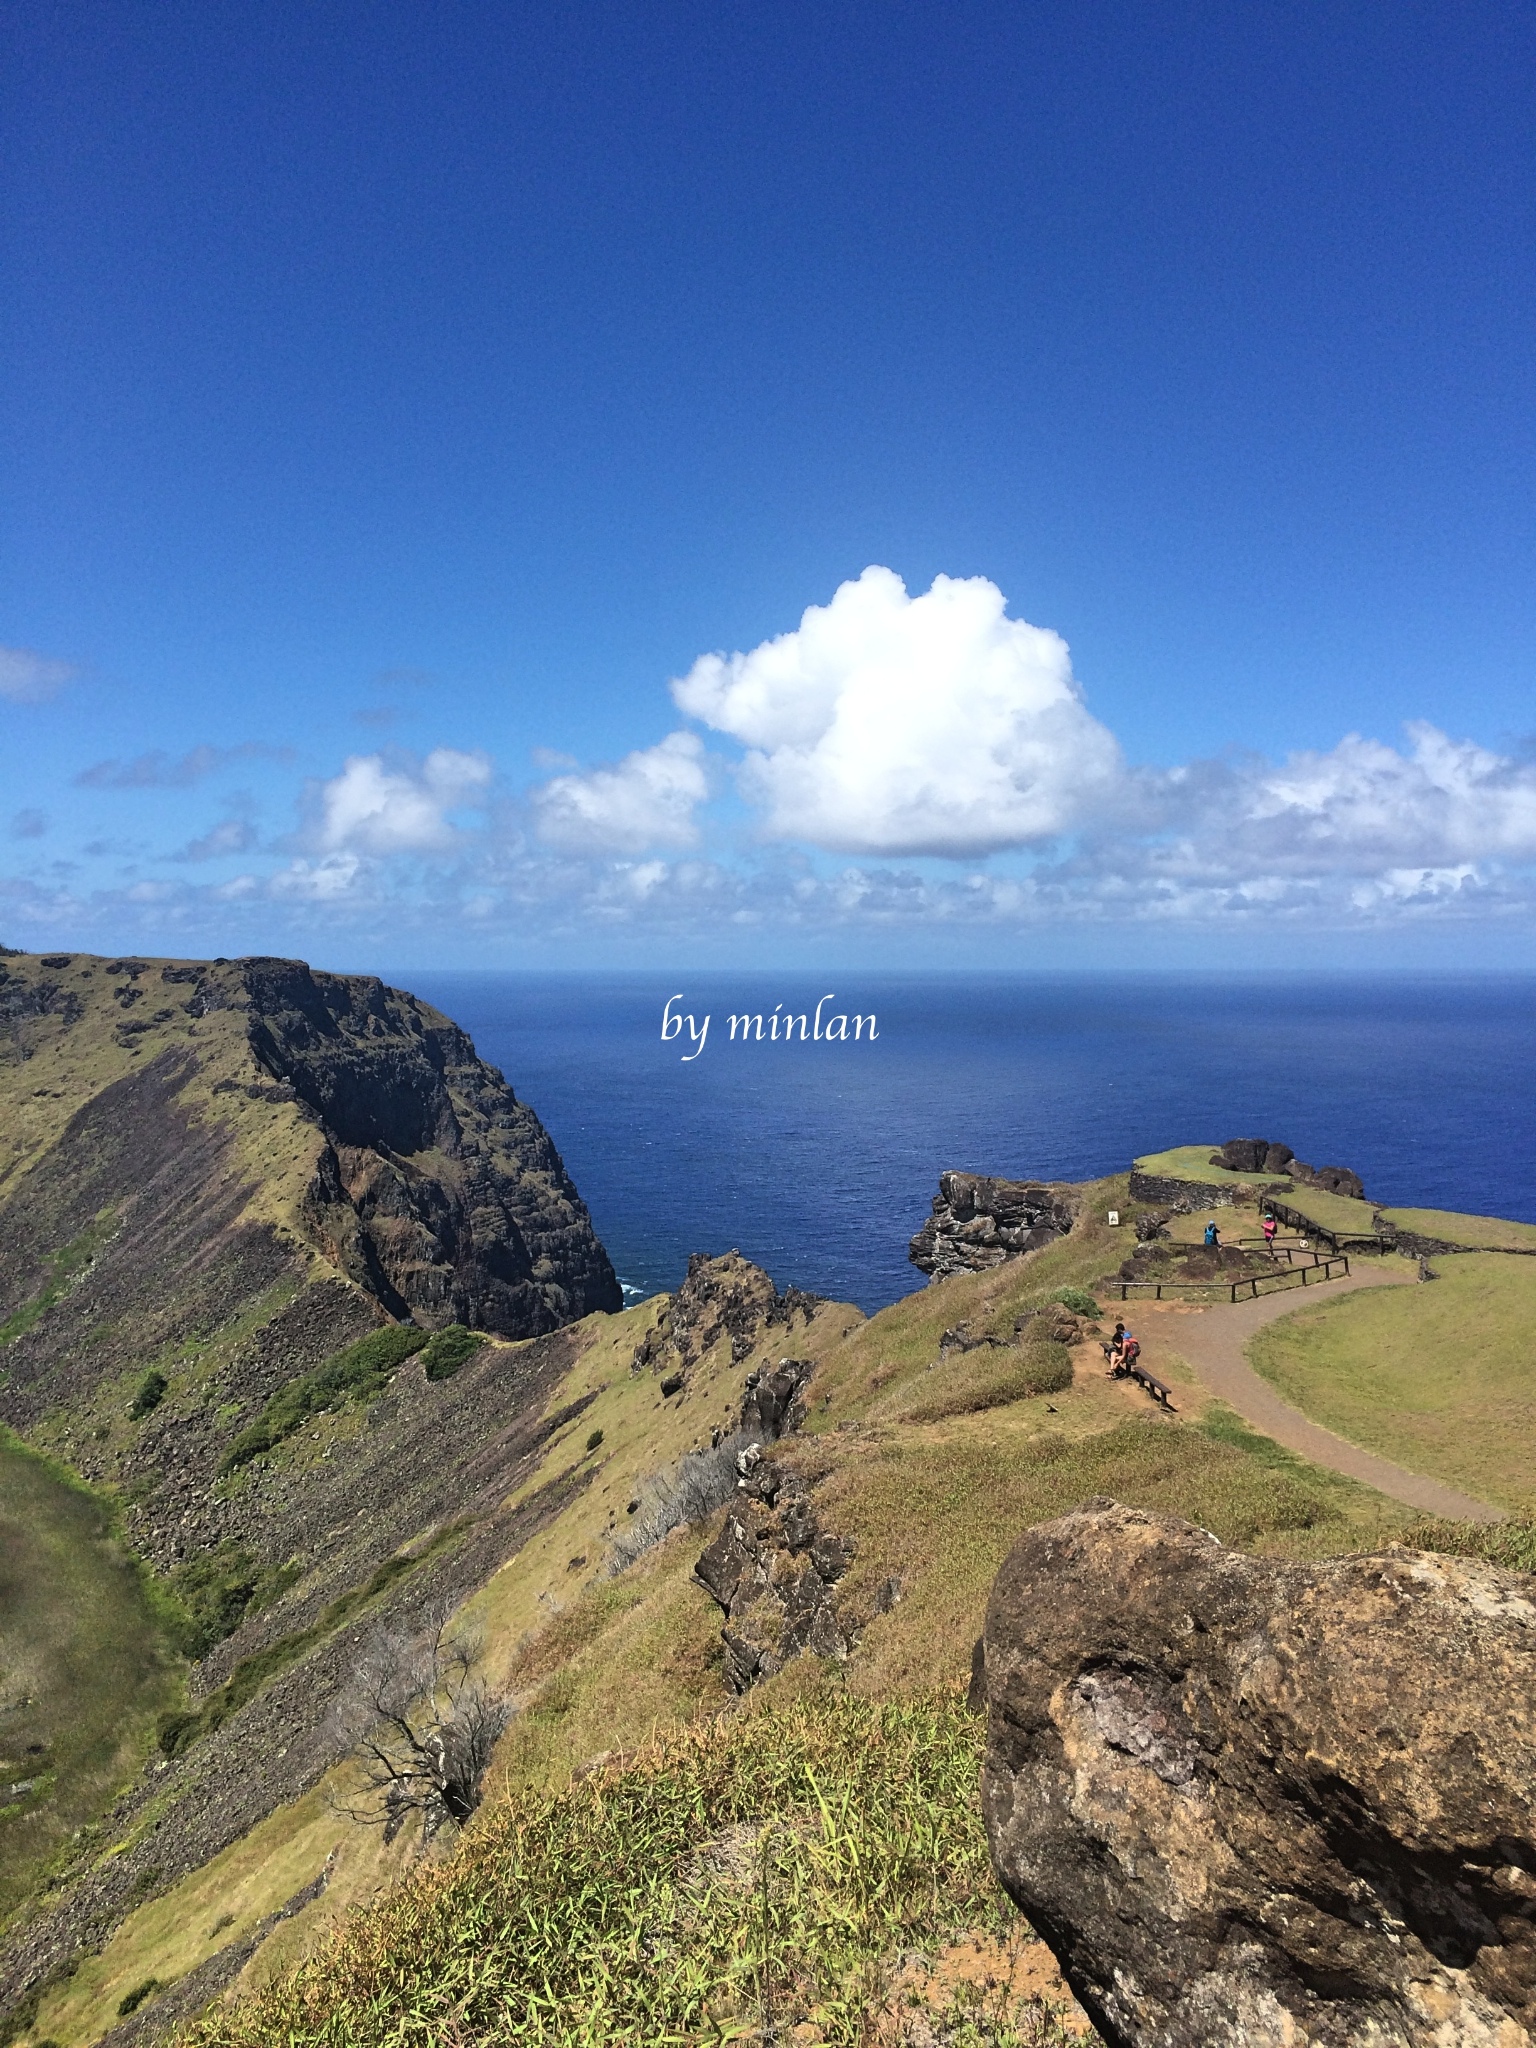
x=398 y=400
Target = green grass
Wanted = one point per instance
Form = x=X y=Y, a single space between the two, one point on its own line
x=84 y=1665
x=218 y=1589
x=1478 y=1233
x=1509 y=1544
x=1193 y=1162
x=1440 y=1377
x=445 y=1352
x=739 y=1878
x=178 y=1731
x=358 y=1373
x=1340 y=1214
x=939 y=1509
x=149 y=1396
x=64 y=1269
x=989 y=1378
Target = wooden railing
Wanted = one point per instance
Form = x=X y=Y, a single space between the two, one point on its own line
x=1316 y=1267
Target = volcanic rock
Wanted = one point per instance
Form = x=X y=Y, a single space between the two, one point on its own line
x=1256 y=1802
x=726 y=1296
x=771 y=1569
x=1253 y=1155
x=1334 y=1180
x=1263 y=1155
x=978 y=1222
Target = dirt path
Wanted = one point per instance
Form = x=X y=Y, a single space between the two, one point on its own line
x=1213 y=1342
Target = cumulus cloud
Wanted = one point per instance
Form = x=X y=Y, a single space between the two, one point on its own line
x=28 y=678
x=380 y=808
x=891 y=724
x=160 y=770
x=647 y=800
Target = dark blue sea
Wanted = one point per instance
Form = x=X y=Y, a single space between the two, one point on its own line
x=820 y=1159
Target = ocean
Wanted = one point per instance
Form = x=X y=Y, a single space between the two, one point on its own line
x=819 y=1159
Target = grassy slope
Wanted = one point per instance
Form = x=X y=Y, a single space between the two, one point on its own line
x=1341 y=1214
x=1333 y=1212
x=738 y=1880
x=602 y=1663
x=275 y=1145
x=83 y=1669
x=1439 y=1377
x=1481 y=1233
x=1193 y=1162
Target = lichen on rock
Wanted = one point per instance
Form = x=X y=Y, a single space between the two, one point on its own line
x=1263 y=1802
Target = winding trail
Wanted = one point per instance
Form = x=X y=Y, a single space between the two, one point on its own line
x=1212 y=1341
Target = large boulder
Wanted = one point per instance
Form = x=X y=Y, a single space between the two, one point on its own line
x=1266 y=1803
x=1253 y=1155
x=1333 y=1180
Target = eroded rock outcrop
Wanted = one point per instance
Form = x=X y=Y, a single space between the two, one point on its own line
x=722 y=1296
x=1267 y=1803
x=772 y=1568
x=978 y=1222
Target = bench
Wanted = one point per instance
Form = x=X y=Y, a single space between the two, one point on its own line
x=1143 y=1378
x=1119 y=1370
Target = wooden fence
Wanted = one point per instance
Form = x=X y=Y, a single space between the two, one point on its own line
x=1248 y=1288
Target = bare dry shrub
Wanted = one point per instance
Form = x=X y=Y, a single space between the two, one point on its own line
x=682 y=1493
x=421 y=1727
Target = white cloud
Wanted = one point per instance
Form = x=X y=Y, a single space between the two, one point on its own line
x=28 y=678
x=321 y=881
x=1442 y=802
x=892 y=724
x=647 y=800
x=378 y=808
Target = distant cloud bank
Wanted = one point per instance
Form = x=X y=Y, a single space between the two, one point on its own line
x=893 y=762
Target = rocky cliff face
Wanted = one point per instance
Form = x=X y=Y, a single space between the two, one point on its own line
x=229 y=1170
x=403 y=1159
x=1266 y=1803
x=978 y=1222
x=437 y=1190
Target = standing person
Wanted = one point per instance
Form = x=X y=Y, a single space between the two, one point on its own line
x=1212 y=1235
x=1270 y=1227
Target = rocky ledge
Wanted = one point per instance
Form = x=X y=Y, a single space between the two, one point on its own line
x=1267 y=1156
x=1261 y=1802
x=979 y=1222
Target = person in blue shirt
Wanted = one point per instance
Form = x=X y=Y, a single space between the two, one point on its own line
x=1212 y=1235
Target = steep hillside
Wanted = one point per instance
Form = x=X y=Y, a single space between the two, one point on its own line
x=236 y=1200
x=726 y=1553
x=615 y=1598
